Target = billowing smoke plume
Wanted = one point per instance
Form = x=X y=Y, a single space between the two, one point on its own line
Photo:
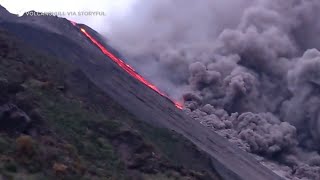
x=250 y=69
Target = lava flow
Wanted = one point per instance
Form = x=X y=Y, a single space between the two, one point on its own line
x=125 y=66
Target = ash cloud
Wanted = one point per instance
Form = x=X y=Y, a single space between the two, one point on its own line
x=249 y=69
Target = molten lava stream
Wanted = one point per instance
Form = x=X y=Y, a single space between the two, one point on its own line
x=125 y=66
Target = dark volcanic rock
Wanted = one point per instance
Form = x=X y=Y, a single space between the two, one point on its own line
x=13 y=119
x=7 y=87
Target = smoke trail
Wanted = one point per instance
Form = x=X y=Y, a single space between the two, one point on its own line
x=159 y=27
x=247 y=68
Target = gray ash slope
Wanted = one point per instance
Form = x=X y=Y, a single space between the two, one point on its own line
x=67 y=43
x=249 y=69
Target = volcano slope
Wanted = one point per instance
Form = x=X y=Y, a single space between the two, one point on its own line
x=56 y=124
x=119 y=96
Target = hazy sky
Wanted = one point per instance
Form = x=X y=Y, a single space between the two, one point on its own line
x=109 y=7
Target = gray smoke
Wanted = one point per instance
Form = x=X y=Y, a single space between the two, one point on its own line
x=302 y=110
x=265 y=133
x=250 y=69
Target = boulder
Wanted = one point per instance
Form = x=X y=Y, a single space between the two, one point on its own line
x=10 y=87
x=13 y=119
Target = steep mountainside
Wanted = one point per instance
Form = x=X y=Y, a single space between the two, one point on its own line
x=117 y=126
x=55 y=123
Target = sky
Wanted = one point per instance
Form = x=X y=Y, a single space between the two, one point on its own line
x=108 y=7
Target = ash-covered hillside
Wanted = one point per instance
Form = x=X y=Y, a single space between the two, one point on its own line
x=55 y=123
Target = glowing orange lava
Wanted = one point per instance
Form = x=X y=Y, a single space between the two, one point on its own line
x=125 y=66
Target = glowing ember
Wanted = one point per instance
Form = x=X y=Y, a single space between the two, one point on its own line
x=125 y=66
